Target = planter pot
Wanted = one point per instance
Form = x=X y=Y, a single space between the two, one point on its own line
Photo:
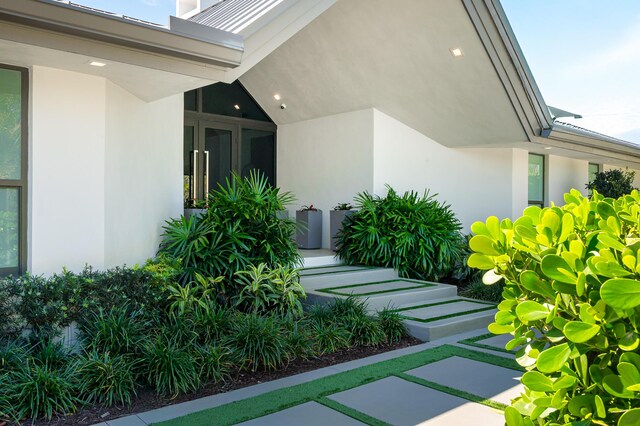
x=336 y=217
x=193 y=212
x=309 y=229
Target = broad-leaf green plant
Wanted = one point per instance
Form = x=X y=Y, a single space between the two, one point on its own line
x=572 y=303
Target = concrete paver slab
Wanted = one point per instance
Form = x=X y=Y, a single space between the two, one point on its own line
x=442 y=310
x=496 y=341
x=486 y=380
x=308 y=414
x=400 y=403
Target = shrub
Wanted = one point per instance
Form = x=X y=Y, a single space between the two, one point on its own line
x=262 y=290
x=258 y=341
x=240 y=228
x=170 y=367
x=476 y=289
x=12 y=322
x=48 y=353
x=119 y=331
x=417 y=236
x=215 y=361
x=392 y=325
x=571 y=302
x=12 y=354
x=39 y=390
x=213 y=324
x=366 y=331
x=613 y=183
x=329 y=337
x=105 y=378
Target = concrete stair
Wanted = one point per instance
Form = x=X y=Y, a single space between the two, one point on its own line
x=431 y=310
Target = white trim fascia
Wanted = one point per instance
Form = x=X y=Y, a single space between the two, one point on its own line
x=219 y=48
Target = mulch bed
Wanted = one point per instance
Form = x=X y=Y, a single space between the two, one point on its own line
x=149 y=400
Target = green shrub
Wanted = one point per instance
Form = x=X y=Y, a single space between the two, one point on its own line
x=198 y=295
x=12 y=354
x=259 y=341
x=239 y=229
x=417 y=236
x=329 y=337
x=106 y=379
x=366 y=331
x=46 y=352
x=613 y=183
x=12 y=322
x=476 y=289
x=213 y=324
x=263 y=290
x=119 y=331
x=572 y=302
x=215 y=361
x=170 y=368
x=347 y=308
x=392 y=325
x=39 y=391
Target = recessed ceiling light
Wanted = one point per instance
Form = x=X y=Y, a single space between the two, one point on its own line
x=456 y=51
x=236 y=106
x=548 y=147
x=276 y=97
x=97 y=64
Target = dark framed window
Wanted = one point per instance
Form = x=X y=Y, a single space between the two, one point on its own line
x=13 y=169
x=536 y=180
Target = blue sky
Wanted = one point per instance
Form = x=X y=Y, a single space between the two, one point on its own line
x=584 y=54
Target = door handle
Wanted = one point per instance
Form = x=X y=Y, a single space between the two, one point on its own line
x=206 y=168
x=195 y=172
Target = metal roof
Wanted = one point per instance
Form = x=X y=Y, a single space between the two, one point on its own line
x=572 y=128
x=234 y=15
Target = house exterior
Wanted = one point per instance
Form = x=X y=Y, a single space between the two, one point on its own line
x=107 y=123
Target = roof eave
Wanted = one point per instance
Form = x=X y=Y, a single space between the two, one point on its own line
x=186 y=41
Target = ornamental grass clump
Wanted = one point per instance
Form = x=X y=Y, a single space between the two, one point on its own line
x=572 y=303
x=416 y=235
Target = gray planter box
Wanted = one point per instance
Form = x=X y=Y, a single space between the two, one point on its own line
x=309 y=229
x=336 y=217
x=193 y=212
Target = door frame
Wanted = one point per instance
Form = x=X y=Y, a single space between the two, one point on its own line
x=203 y=125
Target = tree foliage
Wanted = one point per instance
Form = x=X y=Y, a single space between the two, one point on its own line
x=613 y=183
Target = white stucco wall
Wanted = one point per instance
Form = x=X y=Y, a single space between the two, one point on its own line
x=104 y=172
x=563 y=174
x=326 y=161
x=477 y=182
x=66 y=171
x=143 y=173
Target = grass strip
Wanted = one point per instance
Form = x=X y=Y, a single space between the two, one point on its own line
x=452 y=391
x=348 y=411
x=446 y=302
x=452 y=315
x=280 y=399
x=338 y=265
x=344 y=271
x=335 y=290
x=473 y=341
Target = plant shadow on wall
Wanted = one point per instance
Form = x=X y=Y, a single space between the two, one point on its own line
x=572 y=304
x=416 y=235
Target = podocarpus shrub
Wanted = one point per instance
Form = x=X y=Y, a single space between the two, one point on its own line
x=572 y=303
x=416 y=235
x=240 y=228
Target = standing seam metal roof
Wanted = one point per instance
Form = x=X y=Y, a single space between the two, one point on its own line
x=234 y=15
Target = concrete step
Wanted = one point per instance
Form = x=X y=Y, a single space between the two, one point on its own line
x=335 y=276
x=393 y=293
x=318 y=258
x=457 y=316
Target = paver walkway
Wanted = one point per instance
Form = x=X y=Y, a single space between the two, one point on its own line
x=462 y=380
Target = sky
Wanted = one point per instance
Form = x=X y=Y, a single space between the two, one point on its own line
x=584 y=54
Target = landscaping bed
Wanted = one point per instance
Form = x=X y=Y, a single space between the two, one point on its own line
x=149 y=400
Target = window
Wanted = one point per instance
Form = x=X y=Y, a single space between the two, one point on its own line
x=593 y=169
x=13 y=169
x=536 y=180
